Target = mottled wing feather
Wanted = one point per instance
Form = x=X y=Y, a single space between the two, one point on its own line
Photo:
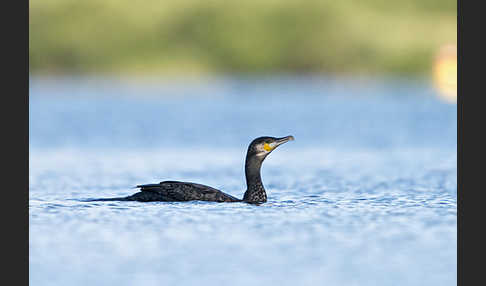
x=148 y=185
x=182 y=191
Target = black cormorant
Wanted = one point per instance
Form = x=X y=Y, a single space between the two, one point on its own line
x=173 y=191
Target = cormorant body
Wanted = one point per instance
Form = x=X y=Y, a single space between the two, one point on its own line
x=173 y=191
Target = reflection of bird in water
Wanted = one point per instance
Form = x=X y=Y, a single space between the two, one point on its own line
x=173 y=191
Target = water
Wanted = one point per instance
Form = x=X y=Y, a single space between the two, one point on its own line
x=365 y=195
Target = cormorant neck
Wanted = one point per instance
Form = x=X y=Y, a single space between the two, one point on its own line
x=255 y=192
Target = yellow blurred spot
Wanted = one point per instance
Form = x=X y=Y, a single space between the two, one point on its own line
x=267 y=147
x=445 y=73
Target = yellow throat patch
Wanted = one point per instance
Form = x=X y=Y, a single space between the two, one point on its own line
x=267 y=147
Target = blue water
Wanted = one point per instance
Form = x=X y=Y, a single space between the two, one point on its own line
x=365 y=195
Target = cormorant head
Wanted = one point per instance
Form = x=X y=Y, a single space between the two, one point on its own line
x=262 y=146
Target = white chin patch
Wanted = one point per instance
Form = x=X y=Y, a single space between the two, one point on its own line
x=262 y=153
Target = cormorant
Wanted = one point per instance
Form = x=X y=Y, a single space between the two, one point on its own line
x=173 y=191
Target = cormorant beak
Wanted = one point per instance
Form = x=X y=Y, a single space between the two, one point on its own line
x=282 y=140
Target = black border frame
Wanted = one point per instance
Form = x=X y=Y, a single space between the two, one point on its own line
x=15 y=135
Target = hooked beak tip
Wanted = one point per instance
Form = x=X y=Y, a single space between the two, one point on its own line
x=285 y=139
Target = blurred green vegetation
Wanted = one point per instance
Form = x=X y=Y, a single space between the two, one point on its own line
x=252 y=36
